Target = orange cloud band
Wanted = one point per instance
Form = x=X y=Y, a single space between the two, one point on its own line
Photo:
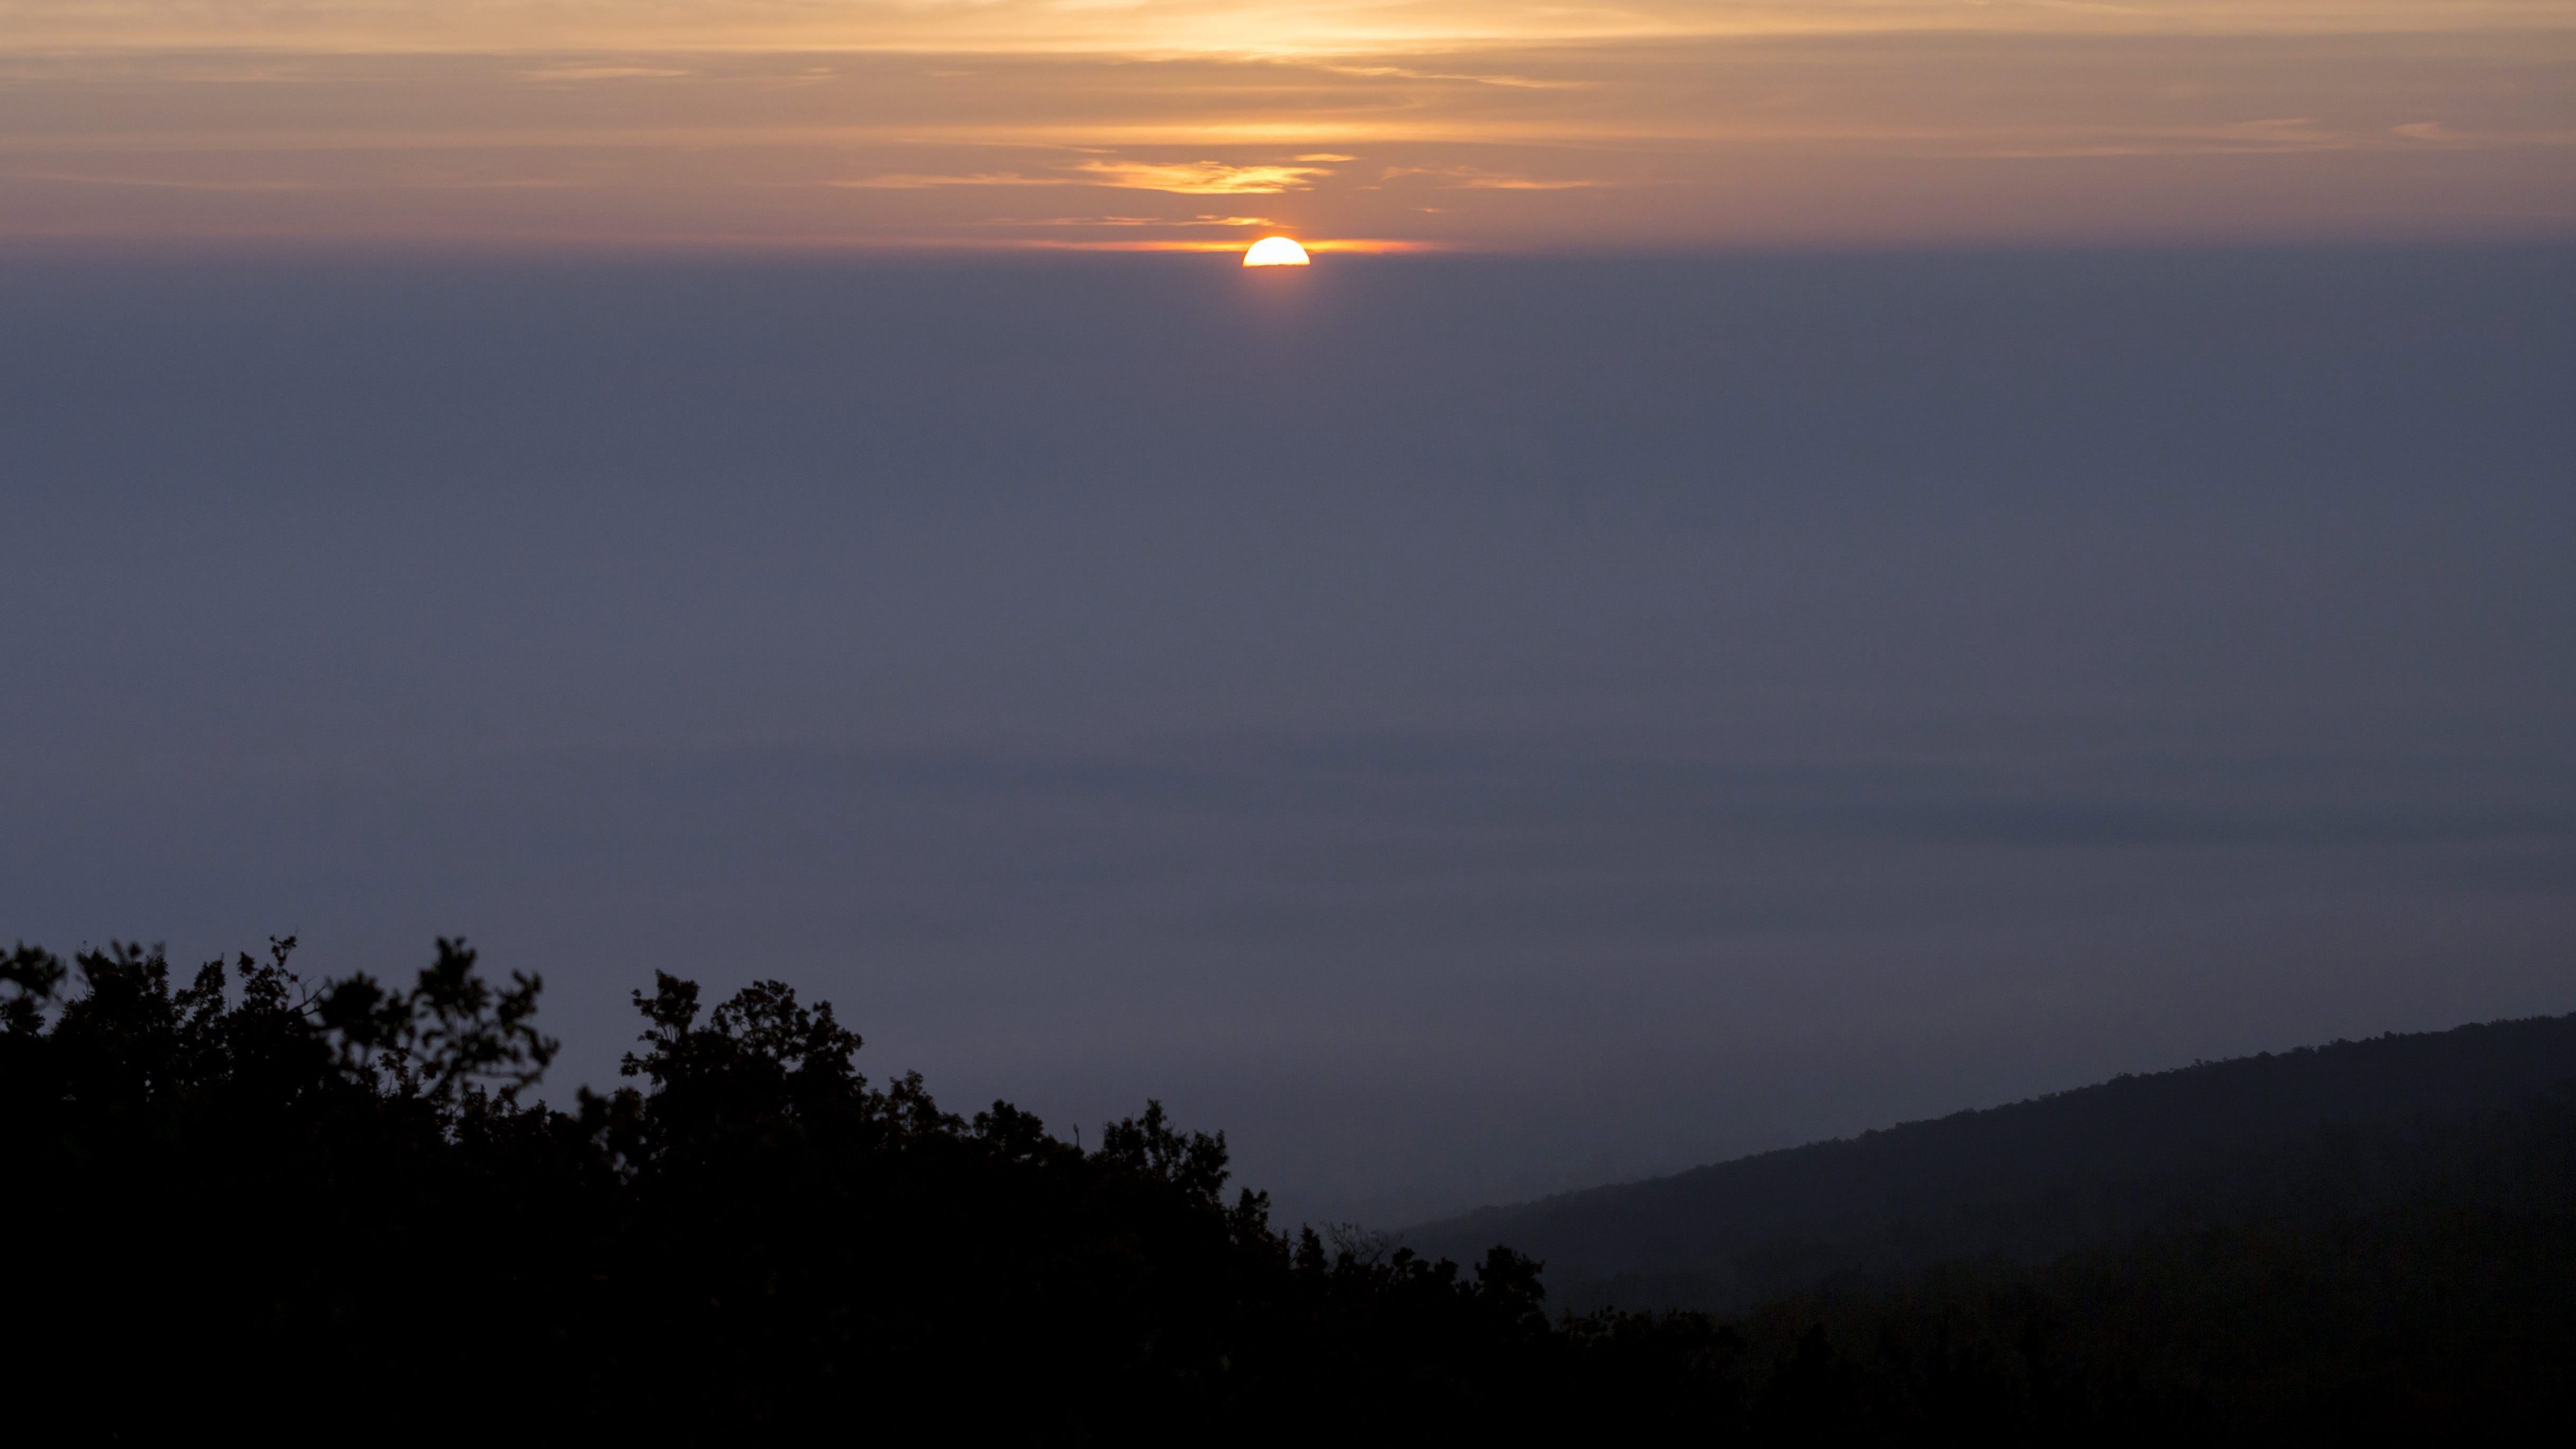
x=1830 y=140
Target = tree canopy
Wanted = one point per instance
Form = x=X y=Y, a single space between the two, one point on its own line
x=252 y=1177
x=259 y=1203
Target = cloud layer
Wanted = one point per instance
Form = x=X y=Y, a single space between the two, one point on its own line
x=926 y=126
x=1439 y=720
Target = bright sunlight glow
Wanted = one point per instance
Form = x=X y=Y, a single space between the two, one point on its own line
x=1275 y=251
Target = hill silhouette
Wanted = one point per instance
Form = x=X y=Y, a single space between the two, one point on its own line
x=257 y=1204
x=2340 y=1128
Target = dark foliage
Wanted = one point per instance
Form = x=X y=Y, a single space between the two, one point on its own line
x=250 y=1203
x=255 y=1202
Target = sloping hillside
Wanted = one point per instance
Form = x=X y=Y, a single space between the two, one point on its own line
x=2351 y=1122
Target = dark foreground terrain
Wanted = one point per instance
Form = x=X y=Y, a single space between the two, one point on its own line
x=320 y=1209
x=2342 y=1131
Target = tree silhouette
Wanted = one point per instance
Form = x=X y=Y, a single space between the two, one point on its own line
x=256 y=1203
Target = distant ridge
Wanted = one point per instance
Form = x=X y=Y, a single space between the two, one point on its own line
x=2029 y=1180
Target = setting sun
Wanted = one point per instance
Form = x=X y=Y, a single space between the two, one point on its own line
x=1275 y=251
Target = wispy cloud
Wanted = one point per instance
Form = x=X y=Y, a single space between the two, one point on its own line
x=1515 y=82
x=2438 y=134
x=161 y=183
x=1675 y=142
x=1202 y=178
x=1183 y=178
x=1424 y=39
x=924 y=181
x=1476 y=178
x=601 y=73
x=1129 y=221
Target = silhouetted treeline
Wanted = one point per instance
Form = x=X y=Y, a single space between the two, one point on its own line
x=250 y=1200
x=310 y=1209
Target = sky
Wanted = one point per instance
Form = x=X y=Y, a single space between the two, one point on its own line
x=1787 y=567
x=1452 y=124
x=1467 y=726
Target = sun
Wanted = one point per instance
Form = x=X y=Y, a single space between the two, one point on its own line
x=1275 y=251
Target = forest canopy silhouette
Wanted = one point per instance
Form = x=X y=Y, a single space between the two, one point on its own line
x=256 y=1201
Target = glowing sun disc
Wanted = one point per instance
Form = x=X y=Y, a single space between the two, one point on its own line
x=1275 y=251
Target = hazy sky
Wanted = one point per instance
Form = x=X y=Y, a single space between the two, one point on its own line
x=1466 y=725
x=1450 y=123
x=1845 y=560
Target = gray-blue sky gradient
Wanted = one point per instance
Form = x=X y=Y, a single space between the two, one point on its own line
x=1466 y=726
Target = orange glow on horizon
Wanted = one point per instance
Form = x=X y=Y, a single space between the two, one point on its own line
x=1187 y=125
x=1371 y=31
